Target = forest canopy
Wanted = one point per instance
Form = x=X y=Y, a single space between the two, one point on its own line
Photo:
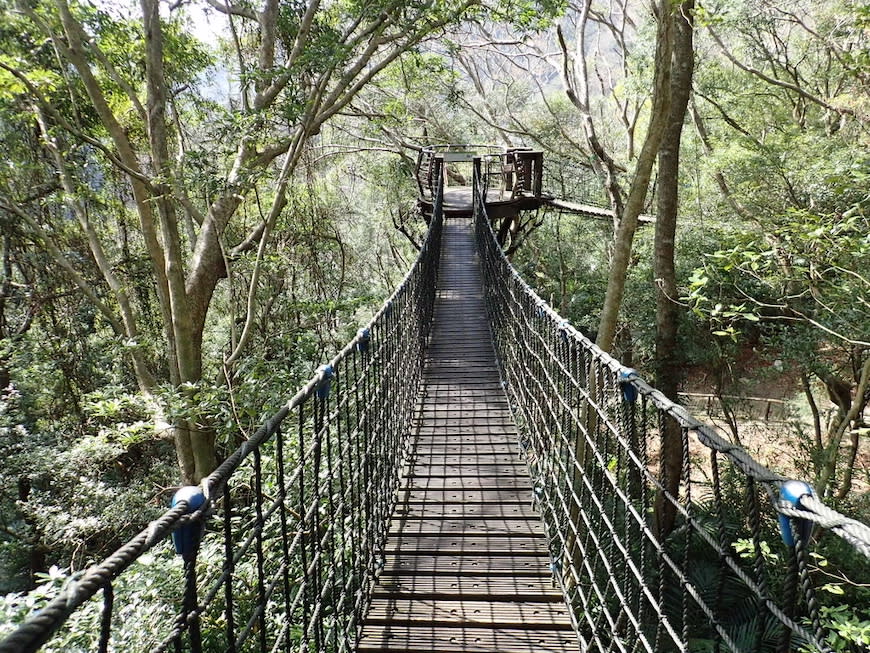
x=201 y=201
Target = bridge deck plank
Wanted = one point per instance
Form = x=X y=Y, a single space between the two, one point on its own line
x=467 y=566
x=465 y=496
x=394 y=638
x=471 y=545
x=467 y=510
x=467 y=482
x=480 y=613
x=467 y=587
x=474 y=459
x=442 y=448
x=450 y=525
x=464 y=564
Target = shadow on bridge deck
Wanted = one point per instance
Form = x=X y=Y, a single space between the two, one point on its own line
x=467 y=567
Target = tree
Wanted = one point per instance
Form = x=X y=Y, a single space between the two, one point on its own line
x=782 y=106
x=190 y=166
x=667 y=357
x=634 y=203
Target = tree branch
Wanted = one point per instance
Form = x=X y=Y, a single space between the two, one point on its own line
x=65 y=124
x=232 y=9
x=86 y=287
x=776 y=82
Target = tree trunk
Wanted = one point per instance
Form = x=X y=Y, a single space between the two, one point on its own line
x=194 y=444
x=848 y=421
x=624 y=237
x=35 y=546
x=849 y=471
x=668 y=361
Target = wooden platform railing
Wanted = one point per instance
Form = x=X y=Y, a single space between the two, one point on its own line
x=515 y=171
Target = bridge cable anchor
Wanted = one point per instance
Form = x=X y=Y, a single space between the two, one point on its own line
x=555 y=569
x=629 y=390
x=186 y=538
x=790 y=495
x=537 y=494
x=324 y=383
x=364 y=338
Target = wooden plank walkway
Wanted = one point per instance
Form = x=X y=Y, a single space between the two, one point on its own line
x=467 y=566
x=591 y=211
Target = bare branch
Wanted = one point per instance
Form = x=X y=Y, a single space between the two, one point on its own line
x=48 y=241
x=232 y=9
x=727 y=118
x=266 y=96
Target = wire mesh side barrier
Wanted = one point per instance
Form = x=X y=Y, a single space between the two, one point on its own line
x=591 y=435
x=281 y=543
x=576 y=182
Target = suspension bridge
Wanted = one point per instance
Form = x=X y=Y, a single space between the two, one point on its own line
x=470 y=473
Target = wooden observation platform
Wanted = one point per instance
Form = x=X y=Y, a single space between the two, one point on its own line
x=513 y=179
x=467 y=567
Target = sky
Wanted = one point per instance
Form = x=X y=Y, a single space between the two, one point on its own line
x=204 y=21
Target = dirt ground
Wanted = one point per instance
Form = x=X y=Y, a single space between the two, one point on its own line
x=776 y=430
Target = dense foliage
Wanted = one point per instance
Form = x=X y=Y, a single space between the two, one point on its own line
x=198 y=205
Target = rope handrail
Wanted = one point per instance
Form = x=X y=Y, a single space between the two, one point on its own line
x=330 y=474
x=630 y=546
x=811 y=508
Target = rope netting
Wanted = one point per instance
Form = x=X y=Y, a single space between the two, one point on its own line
x=280 y=545
x=650 y=562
